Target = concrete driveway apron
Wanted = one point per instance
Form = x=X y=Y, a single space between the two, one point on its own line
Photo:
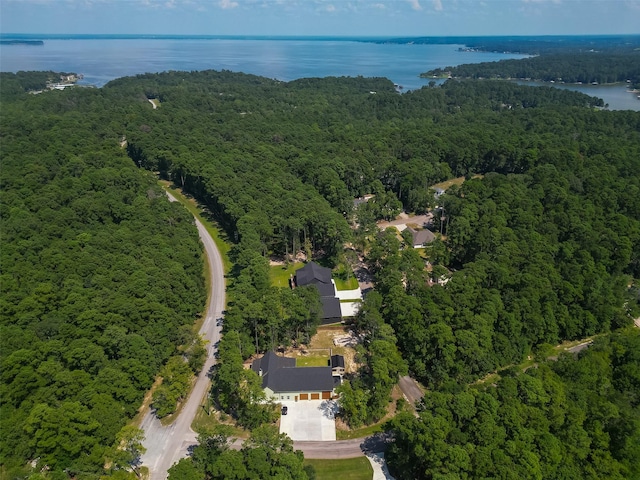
x=309 y=420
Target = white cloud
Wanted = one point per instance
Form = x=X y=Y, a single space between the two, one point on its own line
x=437 y=5
x=415 y=4
x=227 y=4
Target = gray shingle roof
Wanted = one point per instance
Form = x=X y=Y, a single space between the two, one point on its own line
x=337 y=361
x=421 y=237
x=280 y=374
x=271 y=362
x=312 y=273
x=331 y=307
x=301 y=379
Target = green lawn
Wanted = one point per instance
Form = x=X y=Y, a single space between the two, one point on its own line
x=350 y=284
x=360 y=432
x=280 y=274
x=312 y=361
x=348 y=469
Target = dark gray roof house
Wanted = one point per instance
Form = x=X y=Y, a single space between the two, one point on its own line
x=320 y=277
x=331 y=311
x=282 y=380
x=313 y=274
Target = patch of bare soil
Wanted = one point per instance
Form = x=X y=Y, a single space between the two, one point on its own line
x=281 y=260
x=323 y=342
x=404 y=219
x=362 y=273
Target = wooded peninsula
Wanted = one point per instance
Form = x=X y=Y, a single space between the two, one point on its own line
x=588 y=60
x=102 y=278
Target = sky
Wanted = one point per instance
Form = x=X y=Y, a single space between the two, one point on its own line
x=322 y=17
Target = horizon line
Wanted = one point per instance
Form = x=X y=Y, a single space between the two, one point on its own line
x=286 y=36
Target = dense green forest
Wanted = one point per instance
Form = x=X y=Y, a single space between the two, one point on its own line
x=587 y=60
x=586 y=67
x=102 y=276
x=572 y=418
x=101 y=281
x=16 y=84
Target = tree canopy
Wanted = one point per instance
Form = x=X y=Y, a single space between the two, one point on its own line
x=574 y=418
x=101 y=274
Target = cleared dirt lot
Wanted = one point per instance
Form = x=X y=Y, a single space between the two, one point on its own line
x=322 y=345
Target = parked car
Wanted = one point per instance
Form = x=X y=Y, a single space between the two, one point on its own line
x=285 y=409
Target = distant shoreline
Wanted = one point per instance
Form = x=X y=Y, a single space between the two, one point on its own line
x=531 y=45
x=22 y=42
x=436 y=40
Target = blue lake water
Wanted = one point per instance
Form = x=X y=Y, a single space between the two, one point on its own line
x=103 y=59
x=618 y=97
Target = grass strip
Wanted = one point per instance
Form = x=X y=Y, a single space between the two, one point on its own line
x=360 y=432
x=347 y=469
x=312 y=361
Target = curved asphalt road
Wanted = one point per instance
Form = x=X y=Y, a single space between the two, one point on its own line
x=166 y=445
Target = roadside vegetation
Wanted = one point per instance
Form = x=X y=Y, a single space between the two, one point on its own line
x=208 y=419
x=222 y=242
x=265 y=454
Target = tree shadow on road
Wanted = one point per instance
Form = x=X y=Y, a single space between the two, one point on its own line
x=376 y=443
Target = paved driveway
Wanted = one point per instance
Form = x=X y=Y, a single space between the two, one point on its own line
x=309 y=420
x=350 y=309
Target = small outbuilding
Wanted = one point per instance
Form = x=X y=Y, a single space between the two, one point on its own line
x=337 y=365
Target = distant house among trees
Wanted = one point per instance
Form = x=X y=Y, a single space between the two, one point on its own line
x=421 y=237
x=360 y=200
x=282 y=380
x=320 y=277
